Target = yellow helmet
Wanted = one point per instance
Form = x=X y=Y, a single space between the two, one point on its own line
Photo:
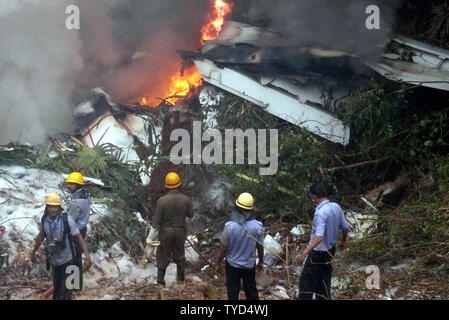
x=245 y=201
x=53 y=199
x=75 y=177
x=172 y=180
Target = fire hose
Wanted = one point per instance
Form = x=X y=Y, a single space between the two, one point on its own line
x=46 y=294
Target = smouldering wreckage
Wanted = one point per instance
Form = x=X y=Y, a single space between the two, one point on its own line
x=301 y=85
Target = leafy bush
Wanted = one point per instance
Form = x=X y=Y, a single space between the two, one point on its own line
x=300 y=155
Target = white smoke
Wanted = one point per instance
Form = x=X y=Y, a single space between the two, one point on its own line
x=38 y=59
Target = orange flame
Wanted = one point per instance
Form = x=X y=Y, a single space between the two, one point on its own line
x=221 y=9
x=181 y=85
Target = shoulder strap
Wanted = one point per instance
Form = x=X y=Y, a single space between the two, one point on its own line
x=83 y=194
x=42 y=223
x=65 y=221
x=67 y=233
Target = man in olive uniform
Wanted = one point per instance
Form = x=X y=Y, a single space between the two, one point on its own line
x=169 y=219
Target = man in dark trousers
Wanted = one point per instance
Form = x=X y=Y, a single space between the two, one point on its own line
x=241 y=236
x=169 y=218
x=328 y=220
x=60 y=232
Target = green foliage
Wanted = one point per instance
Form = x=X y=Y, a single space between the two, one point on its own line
x=428 y=137
x=93 y=162
x=124 y=227
x=118 y=226
x=385 y=121
x=375 y=114
x=417 y=229
x=443 y=173
x=17 y=154
x=300 y=154
x=386 y=124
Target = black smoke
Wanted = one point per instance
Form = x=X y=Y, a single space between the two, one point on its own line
x=333 y=24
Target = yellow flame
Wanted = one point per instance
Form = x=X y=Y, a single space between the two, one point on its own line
x=180 y=86
x=221 y=9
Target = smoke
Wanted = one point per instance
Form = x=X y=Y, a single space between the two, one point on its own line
x=46 y=69
x=157 y=28
x=338 y=25
x=38 y=58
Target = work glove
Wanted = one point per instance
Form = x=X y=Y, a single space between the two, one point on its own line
x=149 y=250
x=152 y=235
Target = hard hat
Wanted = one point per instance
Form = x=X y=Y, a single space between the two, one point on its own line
x=245 y=201
x=172 y=180
x=53 y=199
x=75 y=177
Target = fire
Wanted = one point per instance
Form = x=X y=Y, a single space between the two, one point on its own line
x=221 y=9
x=180 y=85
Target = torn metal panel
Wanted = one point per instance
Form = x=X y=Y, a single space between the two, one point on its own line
x=305 y=63
x=243 y=43
x=292 y=108
x=304 y=90
x=233 y=32
x=291 y=60
x=426 y=54
x=427 y=65
x=412 y=73
x=98 y=103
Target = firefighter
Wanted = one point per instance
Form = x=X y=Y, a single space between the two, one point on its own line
x=60 y=233
x=169 y=220
x=241 y=236
x=78 y=208
x=79 y=205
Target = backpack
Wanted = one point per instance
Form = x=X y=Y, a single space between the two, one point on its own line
x=66 y=232
x=83 y=194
